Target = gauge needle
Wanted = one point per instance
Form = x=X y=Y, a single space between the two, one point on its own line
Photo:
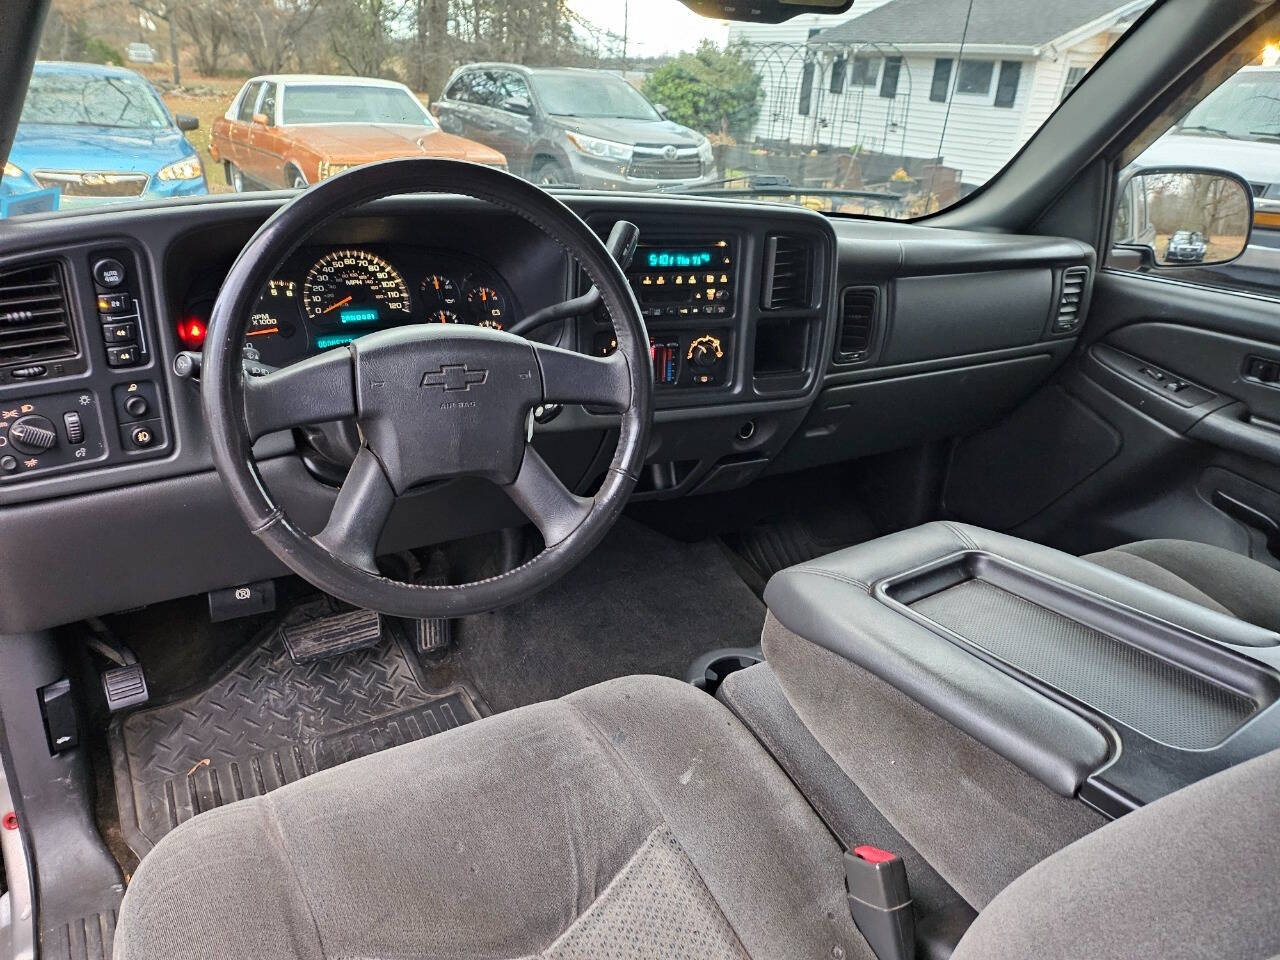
x=263 y=331
x=335 y=306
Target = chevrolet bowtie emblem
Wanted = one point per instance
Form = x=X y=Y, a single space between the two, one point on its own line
x=455 y=376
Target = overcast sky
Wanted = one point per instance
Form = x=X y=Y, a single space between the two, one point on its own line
x=656 y=26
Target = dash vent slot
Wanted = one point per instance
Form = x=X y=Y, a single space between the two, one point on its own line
x=1071 y=301
x=859 y=309
x=35 y=324
x=788 y=273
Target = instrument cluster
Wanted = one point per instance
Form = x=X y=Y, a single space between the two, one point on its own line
x=324 y=298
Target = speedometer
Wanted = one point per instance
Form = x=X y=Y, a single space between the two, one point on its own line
x=354 y=288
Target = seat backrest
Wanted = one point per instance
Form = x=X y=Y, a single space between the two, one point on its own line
x=1195 y=874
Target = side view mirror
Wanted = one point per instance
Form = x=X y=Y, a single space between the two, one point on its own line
x=662 y=110
x=186 y=122
x=517 y=105
x=262 y=119
x=1183 y=216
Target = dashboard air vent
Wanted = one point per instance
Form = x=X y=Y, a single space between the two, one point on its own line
x=35 y=324
x=1072 y=299
x=858 y=309
x=788 y=273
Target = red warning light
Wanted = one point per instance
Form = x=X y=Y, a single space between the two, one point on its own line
x=191 y=331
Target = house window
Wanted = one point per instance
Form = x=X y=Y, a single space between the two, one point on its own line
x=889 y=81
x=838 y=67
x=806 y=88
x=974 y=77
x=941 y=80
x=1074 y=76
x=865 y=71
x=1007 y=85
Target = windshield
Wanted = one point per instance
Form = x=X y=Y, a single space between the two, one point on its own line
x=1246 y=107
x=80 y=100
x=566 y=95
x=893 y=109
x=333 y=103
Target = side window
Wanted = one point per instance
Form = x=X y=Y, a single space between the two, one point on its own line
x=269 y=103
x=460 y=89
x=485 y=89
x=249 y=99
x=514 y=88
x=974 y=77
x=1195 y=226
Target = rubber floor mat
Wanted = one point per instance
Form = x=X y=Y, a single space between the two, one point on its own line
x=267 y=721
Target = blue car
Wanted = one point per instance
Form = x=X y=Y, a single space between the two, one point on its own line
x=98 y=135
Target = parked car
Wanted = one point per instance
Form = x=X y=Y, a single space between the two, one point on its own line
x=588 y=128
x=293 y=130
x=100 y=134
x=140 y=53
x=1186 y=246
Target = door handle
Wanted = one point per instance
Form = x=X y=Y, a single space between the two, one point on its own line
x=1232 y=427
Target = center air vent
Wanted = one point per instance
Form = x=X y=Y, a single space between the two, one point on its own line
x=1071 y=302
x=34 y=322
x=788 y=273
x=858 y=310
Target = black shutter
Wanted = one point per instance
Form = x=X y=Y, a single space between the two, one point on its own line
x=1007 y=85
x=806 y=89
x=941 y=80
x=838 y=67
x=889 y=80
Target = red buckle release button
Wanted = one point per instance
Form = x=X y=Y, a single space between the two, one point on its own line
x=873 y=854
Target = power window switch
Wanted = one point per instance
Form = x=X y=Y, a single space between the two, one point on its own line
x=58 y=708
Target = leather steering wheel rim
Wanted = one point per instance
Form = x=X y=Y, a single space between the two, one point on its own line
x=370 y=380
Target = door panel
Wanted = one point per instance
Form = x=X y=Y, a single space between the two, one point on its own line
x=1179 y=374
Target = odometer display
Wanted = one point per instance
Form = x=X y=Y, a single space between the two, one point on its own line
x=354 y=288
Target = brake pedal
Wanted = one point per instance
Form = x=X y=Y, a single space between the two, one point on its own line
x=332 y=636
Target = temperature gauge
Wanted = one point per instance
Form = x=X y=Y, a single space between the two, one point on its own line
x=440 y=290
x=487 y=306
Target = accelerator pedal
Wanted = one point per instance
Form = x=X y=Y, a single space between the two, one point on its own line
x=332 y=636
x=432 y=636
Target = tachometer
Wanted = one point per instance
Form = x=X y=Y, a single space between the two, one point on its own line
x=443 y=316
x=354 y=288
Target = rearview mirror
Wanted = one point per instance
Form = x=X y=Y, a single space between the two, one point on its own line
x=186 y=122
x=662 y=110
x=517 y=105
x=764 y=11
x=1184 y=217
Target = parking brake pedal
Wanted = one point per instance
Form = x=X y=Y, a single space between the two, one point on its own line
x=333 y=635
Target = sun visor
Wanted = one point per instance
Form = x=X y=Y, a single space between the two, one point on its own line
x=764 y=11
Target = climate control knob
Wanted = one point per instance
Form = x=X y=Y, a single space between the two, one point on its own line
x=32 y=434
x=705 y=351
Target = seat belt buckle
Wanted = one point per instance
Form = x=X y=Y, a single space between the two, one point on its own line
x=880 y=901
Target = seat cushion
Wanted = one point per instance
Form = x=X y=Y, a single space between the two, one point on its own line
x=633 y=819
x=1210 y=576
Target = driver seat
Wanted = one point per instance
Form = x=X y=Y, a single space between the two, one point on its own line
x=639 y=819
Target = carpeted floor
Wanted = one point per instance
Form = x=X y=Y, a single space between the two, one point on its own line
x=641 y=603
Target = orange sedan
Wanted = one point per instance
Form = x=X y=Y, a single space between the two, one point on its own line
x=292 y=130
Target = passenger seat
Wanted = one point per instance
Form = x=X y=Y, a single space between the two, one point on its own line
x=1210 y=576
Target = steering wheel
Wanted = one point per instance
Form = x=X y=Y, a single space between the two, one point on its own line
x=431 y=401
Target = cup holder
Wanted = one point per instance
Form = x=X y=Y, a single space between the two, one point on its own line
x=710 y=669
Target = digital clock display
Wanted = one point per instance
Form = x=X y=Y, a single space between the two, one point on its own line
x=678 y=258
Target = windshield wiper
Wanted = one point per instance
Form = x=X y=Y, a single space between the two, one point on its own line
x=1204 y=128
x=1272 y=134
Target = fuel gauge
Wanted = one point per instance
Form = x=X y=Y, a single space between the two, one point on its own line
x=487 y=307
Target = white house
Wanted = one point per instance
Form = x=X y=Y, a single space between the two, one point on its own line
x=894 y=79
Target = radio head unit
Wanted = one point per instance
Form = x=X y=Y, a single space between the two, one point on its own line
x=684 y=279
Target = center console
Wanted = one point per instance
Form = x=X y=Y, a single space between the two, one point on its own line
x=1100 y=687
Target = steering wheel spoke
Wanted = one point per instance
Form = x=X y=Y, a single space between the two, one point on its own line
x=360 y=513
x=316 y=390
x=554 y=509
x=569 y=377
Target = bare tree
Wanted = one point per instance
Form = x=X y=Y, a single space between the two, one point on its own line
x=267 y=32
x=208 y=25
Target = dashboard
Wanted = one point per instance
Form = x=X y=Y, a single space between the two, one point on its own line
x=325 y=297
x=779 y=338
